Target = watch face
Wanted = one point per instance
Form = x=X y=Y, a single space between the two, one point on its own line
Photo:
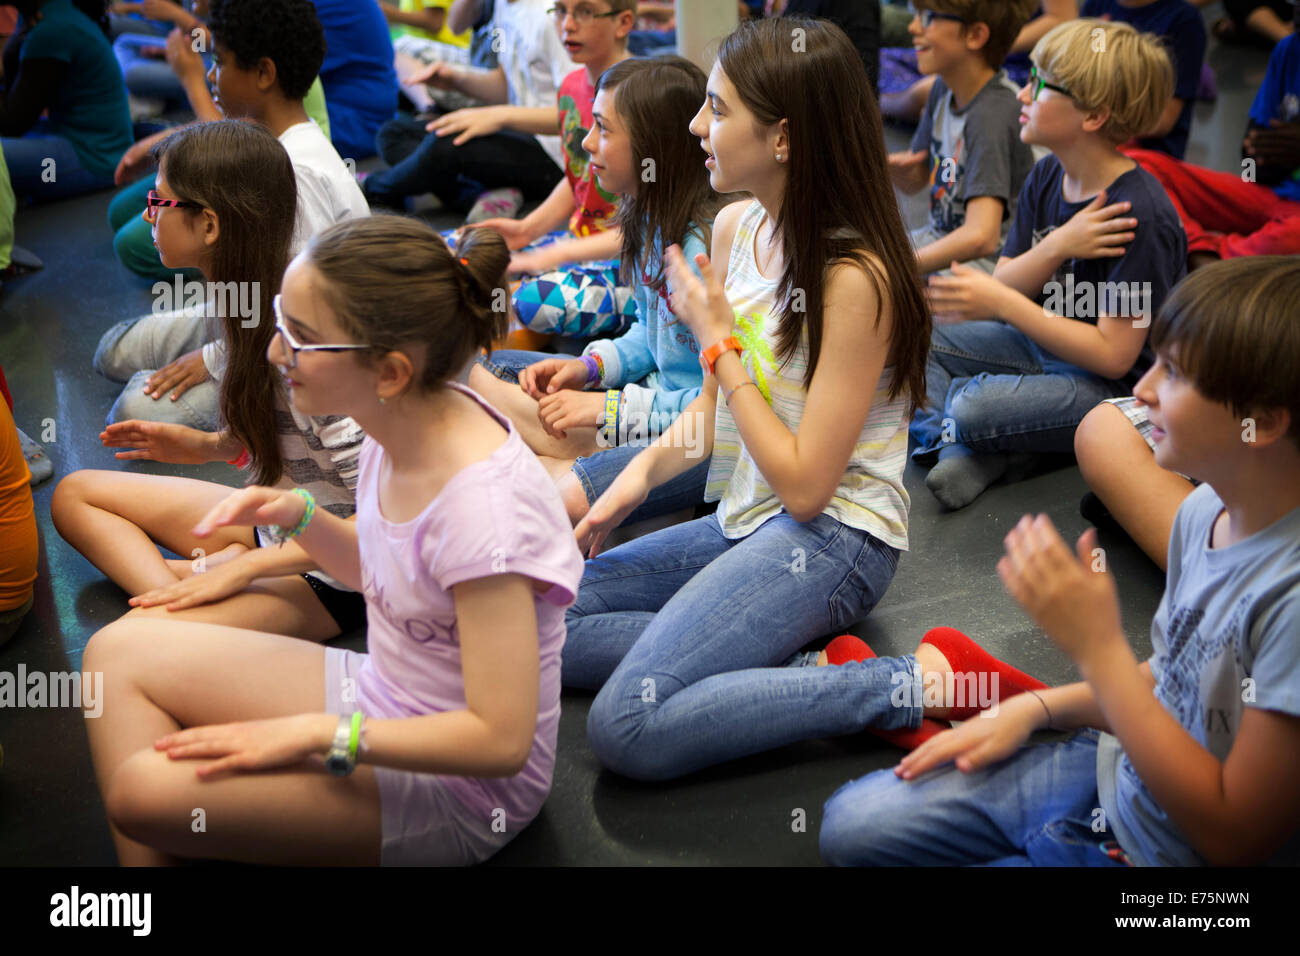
x=338 y=764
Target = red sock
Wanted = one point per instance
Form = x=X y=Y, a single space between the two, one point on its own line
x=847 y=648
x=965 y=657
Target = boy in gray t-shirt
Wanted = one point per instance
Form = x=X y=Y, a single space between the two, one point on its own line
x=1192 y=757
x=967 y=149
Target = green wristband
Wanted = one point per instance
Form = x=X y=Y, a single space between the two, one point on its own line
x=355 y=739
x=308 y=511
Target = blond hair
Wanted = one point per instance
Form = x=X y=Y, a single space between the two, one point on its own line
x=1109 y=67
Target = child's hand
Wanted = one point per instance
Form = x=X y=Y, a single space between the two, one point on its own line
x=975 y=743
x=1096 y=231
x=609 y=510
x=181 y=56
x=907 y=159
x=533 y=262
x=439 y=74
x=560 y=411
x=181 y=375
x=513 y=231
x=253 y=744
x=1279 y=145
x=215 y=584
x=469 y=123
x=159 y=441
x=552 y=375
x=698 y=301
x=1072 y=598
x=254 y=506
x=966 y=295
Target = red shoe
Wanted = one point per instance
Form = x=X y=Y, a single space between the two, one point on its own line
x=847 y=648
x=965 y=656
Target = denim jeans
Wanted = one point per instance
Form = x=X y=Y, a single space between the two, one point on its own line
x=426 y=163
x=1037 y=808
x=684 y=628
x=35 y=179
x=148 y=76
x=597 y=472
x=993 y=389
x=132 y=350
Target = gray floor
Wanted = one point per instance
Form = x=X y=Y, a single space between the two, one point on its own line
x=742 y=813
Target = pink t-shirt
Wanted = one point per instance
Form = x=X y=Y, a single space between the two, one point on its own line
x=501 y=515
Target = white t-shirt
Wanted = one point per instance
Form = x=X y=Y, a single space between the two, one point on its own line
x=327 y=194
x=531 y=54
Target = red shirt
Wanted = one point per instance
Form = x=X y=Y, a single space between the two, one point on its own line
x=596 y=208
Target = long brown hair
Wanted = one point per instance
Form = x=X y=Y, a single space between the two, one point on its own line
x=242 y=173
x=674 y=193
x=839 y=202
x=391 y=282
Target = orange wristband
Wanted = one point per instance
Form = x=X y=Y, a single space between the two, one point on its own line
x=709 y=357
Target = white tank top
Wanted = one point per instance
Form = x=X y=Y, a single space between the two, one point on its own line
x=870 y=496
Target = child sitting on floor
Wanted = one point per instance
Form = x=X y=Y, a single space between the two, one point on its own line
x=1198 y=756
x=1093 y=251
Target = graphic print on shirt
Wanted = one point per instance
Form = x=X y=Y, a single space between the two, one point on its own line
x=945 y=173
x=749 y=332
x=1191 y=655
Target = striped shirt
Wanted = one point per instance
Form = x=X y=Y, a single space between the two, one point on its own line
x=320 y=455
x=870 y=496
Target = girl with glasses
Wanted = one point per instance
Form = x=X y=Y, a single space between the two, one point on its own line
x=224 y=204
x=443 y=736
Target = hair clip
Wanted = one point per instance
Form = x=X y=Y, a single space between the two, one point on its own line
x=464 y=262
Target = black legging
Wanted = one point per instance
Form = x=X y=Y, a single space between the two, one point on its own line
x=425 y=163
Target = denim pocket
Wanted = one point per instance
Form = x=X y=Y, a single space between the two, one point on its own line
x=867 y=580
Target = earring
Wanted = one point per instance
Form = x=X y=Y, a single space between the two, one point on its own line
x=381 y=399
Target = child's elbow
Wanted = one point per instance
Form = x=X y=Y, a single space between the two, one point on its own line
x=805 y=505
x=988 y=244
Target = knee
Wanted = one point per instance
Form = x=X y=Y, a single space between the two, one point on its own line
x=70 y=496
x=612 y=734
x=862 y=820
x=133 y=403
x=1094 y=439
x=143 y=800
x=574 y=497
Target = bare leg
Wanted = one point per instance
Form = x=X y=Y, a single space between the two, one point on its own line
x=156 y=681
x=575 y=498
x=117 y=520
x=183 y=569
x=1120 y=468
x=521 y=409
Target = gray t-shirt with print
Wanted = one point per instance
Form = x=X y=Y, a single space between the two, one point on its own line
x=975 y=151
x=1225 y=637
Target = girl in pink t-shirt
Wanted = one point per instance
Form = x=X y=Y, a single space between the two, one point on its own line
x=466 y=558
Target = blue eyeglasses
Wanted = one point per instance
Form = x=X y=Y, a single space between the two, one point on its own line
x=927 y=16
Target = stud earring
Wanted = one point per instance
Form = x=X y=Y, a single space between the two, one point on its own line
x=381 y=399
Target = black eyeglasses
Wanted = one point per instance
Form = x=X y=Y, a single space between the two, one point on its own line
x=927 y=16
x=581 y=15
x=292 y=346
x=154 y=202
x=1037 y=84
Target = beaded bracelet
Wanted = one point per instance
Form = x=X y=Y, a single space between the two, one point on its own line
x=308 y=511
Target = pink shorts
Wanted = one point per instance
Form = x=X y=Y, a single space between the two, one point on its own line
x=423 y=822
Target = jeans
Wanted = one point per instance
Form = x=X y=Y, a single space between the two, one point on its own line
x=684 y=628
x=44 y=166
x=425 y=163
x=1037 y=808
x=132 y=350
x=146 y=76
x=992 y=389
x=597 y=472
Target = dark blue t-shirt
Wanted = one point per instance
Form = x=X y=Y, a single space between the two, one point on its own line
x=1279 y=98
x=1179 y=24
x=358 y=76
x=1154 y=262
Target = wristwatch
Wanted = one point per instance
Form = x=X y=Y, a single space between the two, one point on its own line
x=342 y=758
x=709 y=357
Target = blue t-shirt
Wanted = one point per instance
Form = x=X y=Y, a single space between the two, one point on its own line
x=1179 y=24
x=1152 y=264
x=1279 y=98
x=1225 y=637
x=89 y=109
x=358 y=76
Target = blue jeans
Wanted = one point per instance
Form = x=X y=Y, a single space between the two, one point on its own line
x=36 y=179
x=133 y=350
x=1036 y=808
x=684 y=628
x=597 y=472
x=146 y=76
x=993 y=389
